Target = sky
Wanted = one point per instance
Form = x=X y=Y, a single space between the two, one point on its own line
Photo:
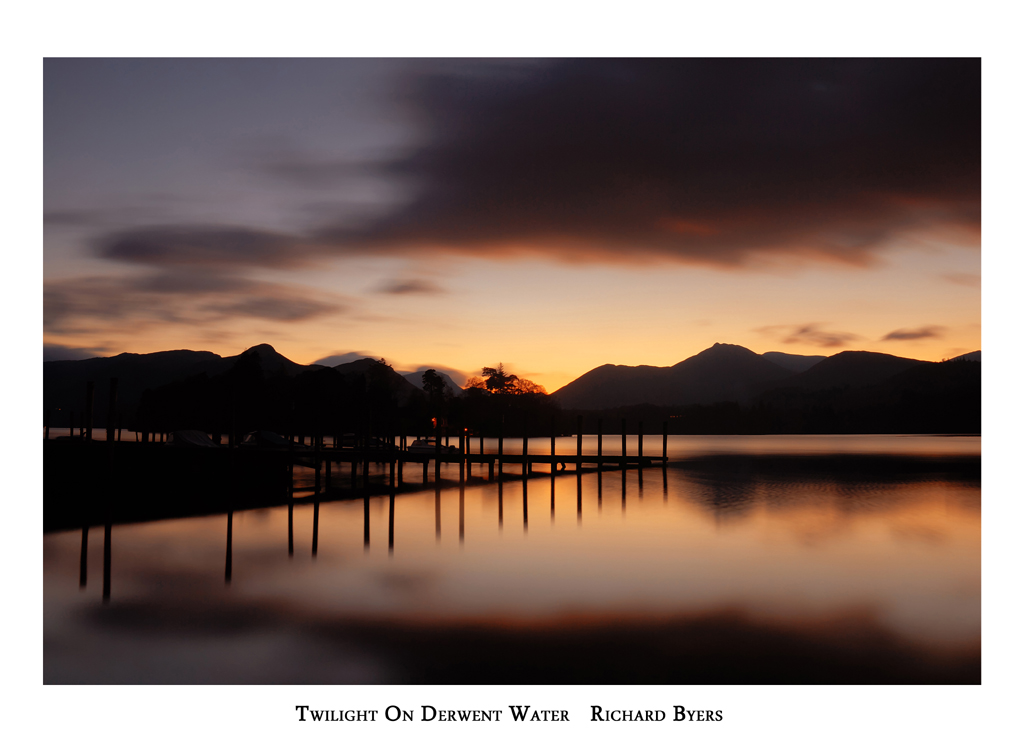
x=552 y=215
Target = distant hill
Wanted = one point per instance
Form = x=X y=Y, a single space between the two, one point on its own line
x=851 y=368
x=795 y=363
x=720 y=373
x=974 y=355
x=416 y=379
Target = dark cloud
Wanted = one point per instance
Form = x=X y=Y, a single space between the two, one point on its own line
x=809 y=334
x=209 y=246
x=921 y=333
x=410 y=286
x=134 y=302
x=709 y=161
x=724 y=162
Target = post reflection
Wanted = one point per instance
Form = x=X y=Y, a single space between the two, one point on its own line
x=366 y=523
x=227 y=554
x=579 y=496
x=526 y=516
x=501 y=503
x=83 y=566
x=107 y=533
x=462 y=512
x=391 y=526
x=316 y=525
x=437 y=510
x=291 y=529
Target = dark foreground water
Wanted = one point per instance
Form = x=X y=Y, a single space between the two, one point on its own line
x=818 y=559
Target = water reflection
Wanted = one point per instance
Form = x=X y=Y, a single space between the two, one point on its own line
x=797 y=552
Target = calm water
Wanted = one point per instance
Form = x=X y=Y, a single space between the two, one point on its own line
x=750 y=559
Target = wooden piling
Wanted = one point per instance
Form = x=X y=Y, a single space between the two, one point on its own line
x=526 y=457
x=600 y=443
x=640 y=444
x=526 y=514
x=501 y=449
x=437 y=510
x=579 y=442
x=664 y=443
x=623 y=446
x=554 y=428
x=90 y=390
x=437 y=454
x=111 y=409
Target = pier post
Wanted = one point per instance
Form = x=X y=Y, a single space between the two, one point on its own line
x=640 y=444
x=437 y=453
x=664 y=443
x=600 y=443
x=316 y=524
x=490 y=470
x=501 y=448
x=111 y=409
x=623 y=447
x=527 y=467
x=554 y=464
x=437 y=510
x=526 y=515
x=90 y=389
x=316 y=464
x=46 y=425
x=579 y=442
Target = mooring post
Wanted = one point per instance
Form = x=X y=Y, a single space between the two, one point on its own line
x=90 y=389
x=111 y=409
x=46 y=424
x=600 y=442
x=525 y=510
x=579 y=442
x=640 y=443
x=437 y=453
x=501 y=504
x=437 y=510
x=554 y=464
x=527 y=469
x=623 y=446
x=316 y=464
x=664 y=443
x=501 y=447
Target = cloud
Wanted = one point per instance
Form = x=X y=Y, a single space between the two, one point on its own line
x=921 y=333
x=207 y=246
x=722 y=162
x=973 y=280
x=135 y=302
x=731 y=163
x=809 y=334
x=410 y=286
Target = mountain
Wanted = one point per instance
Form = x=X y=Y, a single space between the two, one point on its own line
x=974 y=355
x=64 y=382
x=379 y=375
x=721 y=373
x=416 y=379
x=851 y=368
x=791 y=361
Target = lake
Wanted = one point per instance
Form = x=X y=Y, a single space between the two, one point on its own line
x=749 y=559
